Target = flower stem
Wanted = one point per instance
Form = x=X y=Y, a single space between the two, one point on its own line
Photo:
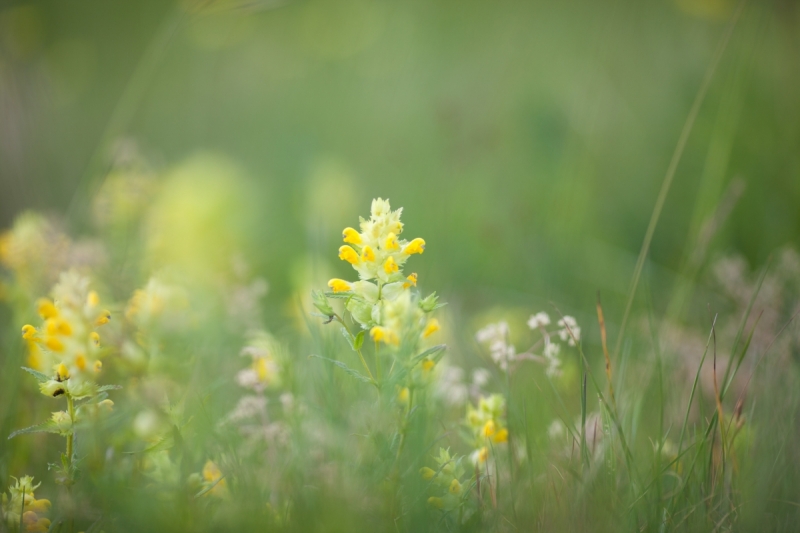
x=71 y=436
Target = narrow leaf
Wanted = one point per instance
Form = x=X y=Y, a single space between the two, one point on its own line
x=41 y=378
x=44 y=427
x=359 y=376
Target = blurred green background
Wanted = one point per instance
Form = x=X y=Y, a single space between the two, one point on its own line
x=526 y=140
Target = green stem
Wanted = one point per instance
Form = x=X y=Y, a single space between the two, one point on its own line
x=404 y=427
x=358 y=351
x=71 y=436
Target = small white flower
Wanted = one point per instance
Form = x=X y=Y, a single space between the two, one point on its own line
x=569 y=325
x=556 y=429
x=538 y=320
x=480 y=377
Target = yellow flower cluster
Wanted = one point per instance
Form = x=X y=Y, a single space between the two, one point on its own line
x=68 y=336
x=446 y=481
x=23 y=509
x=381 y=301
x=487 y=425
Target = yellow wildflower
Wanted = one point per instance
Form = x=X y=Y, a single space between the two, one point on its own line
x=346 y=253
x=417 y=246
x=390 y=265
x=339 y=285
x=351 y=236
x=367 y=254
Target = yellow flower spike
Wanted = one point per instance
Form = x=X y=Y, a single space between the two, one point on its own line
x=417 y=246
x=95 y=338
x=104 y=318
x=391 y=242
x=489 y=428
x=412 y=280
x=98 y=365
x=346 y=253
x=61 y=372
x=428 y=364
x=54 y=344
x=80 y=361
x=92 y=299
x=433 y=501
x=351 y=236
x=381 y=334
x=46 y=309
x=431 y=328
x=501 y=436
x=390 y=266
x=427 y=473
x=455 y=487
x=367 y=254
x=28 y=332
x=483 y=454
x=339 y=285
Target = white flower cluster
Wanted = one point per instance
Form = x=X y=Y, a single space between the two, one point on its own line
x=496 y=337
x=452 y=388
x=502 y=352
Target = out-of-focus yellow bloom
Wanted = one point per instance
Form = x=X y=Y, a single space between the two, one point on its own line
x=403 y=395
x=412 y=280
x=384 y=335
x=54 y=344
x=28 y=332
x=428 y=364
x=47 y=309
x=92 y=299
x=95 y=338
x=436 y=502
x=501 y=436
x=483 y=454
x=431 y=328
x=103 y=319
x=427 y=473
x=212 y=476
x=455 y=487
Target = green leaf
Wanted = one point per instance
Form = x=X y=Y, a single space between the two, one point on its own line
x=339 y=295
x=41 y=378
x=108 y=387
x=359 y=376
x=359 y=340
x=44 y=427
x=348 y=337
x=430 y=351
